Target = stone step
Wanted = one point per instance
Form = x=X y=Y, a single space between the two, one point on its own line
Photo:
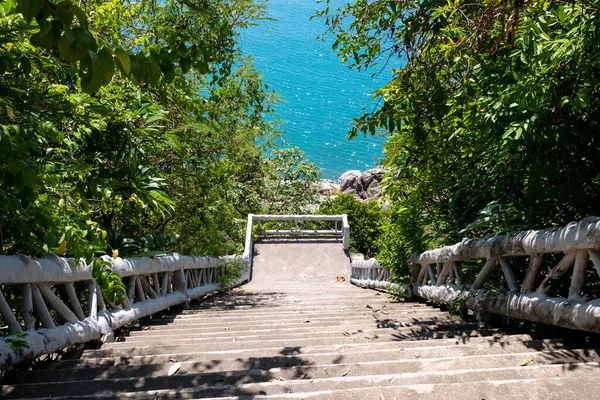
x=328 y=354
x=318 y=366
x=562 y=388
x=288 y=308
x=305 y=331
x=370 y=307
x=257 y=382
x=298 y=345
x=216 y=319
x=201 y=328
x=306 y=339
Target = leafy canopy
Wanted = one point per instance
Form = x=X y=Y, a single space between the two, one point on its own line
x=491 y=116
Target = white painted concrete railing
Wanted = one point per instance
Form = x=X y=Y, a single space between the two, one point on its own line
x=438 y=275
x=370 y=274
x=342 y=231
x=60 y=304
x=534 y=296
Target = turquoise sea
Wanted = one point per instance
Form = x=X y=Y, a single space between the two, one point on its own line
x=321 y=95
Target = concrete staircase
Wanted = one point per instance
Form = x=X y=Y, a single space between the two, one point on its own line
x=299 y=339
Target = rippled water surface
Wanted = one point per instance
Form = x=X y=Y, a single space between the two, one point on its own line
x=321 y=95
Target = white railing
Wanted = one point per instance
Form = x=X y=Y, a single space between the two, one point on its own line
x=52 y=303
x=370 y=274
x=533 y=295
x=342 y=232
x=437 y=275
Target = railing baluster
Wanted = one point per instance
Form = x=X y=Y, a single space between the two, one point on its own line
x=432 y=275
x=451 y=278
x=559 y=270
x=443 y=274
x=92 y=299
x=28 y=307
x=595 y=256
x=100 y=298
x=72 y=295
x=148 y=288
x=578 y=277
x=155 y=283
x=484 y=274
x=532 y=270
x=7 y=314
x=458 y=273
x=164 y=284
x=422 y=273
x=57 y=304
x=140 y=288
x=509 y=275
x=42 y=309
x=131 y=289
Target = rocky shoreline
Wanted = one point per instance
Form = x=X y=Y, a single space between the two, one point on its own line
x=364 y=185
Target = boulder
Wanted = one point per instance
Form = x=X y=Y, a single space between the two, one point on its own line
x=373 y=192
x=327 y=187
x=351 y=180
x=372 y=177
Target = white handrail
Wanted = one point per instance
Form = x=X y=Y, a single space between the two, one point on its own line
x=155 y=284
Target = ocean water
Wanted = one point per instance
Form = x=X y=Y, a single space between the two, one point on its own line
x=321 y=96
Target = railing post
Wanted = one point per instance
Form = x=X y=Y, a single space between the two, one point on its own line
x=345 y=232
x=247 y=257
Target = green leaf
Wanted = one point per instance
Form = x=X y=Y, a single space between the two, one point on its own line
x=124 y=62
x=30 y=8
x=75 y=44
x=47 y=37
x=64 y=13
x=104 y=66
x=90 y=81
x=186 y=64
x=202 y=67
x=80 y=14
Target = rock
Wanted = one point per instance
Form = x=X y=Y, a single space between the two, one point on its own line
x=373 y=192
x=327 y=187
x=351 y=180
x=372 y=177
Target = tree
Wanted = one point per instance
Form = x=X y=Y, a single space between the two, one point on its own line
x=491 y=114
x=136 y=144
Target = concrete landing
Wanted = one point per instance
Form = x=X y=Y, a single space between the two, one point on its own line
x=320 y=260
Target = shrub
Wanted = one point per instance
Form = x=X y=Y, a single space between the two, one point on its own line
x=366 y=220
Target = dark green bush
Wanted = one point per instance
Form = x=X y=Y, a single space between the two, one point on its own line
x=366 y=220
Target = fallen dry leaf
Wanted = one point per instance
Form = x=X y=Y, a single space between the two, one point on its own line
x=346 y=372
x=345 y=333
x=527 y=362
x=340 y=279
x=173 y=360
x=174 y=368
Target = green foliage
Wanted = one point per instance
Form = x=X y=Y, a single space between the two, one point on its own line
x=366 y=219
x=491 y=113
x=230 y=272
x=17 y=340
x=113 y=288
x=290 y=182
x=166 y=35
x=135 y=127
